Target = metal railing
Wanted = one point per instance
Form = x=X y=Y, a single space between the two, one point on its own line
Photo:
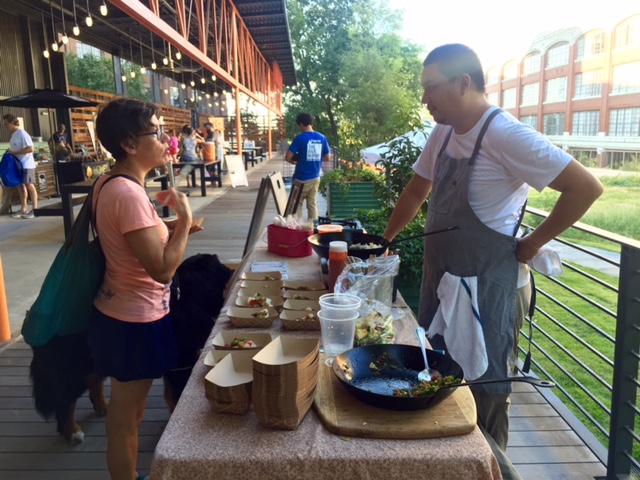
x=586 y=338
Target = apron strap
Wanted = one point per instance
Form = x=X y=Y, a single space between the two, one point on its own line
x=526 y=365
x=476 y=149
x=519 y=222
x=445 y=143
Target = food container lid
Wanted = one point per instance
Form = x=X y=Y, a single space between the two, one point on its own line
x=330 y=228
x=338 y=246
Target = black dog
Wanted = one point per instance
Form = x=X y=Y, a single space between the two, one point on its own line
x=62 y=370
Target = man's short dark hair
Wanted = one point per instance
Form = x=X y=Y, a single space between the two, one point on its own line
x=208 y=124
x=62 y=126
x=11 y=119
x=454 y=60
x=305 y=119
x=121 y=120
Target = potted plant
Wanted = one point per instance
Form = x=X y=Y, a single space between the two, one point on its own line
x=350 y=186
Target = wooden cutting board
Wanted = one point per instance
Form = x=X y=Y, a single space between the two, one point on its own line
x=343 y=414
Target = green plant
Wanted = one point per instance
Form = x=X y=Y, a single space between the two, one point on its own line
x=348 y=172
x=397 y=165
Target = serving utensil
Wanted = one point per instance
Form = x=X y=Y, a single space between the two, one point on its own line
x=425 y=375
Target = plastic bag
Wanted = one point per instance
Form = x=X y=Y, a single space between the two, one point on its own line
x=372 y=281
x=547 y=261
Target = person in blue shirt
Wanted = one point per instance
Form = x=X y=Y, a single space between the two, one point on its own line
x=307 y=152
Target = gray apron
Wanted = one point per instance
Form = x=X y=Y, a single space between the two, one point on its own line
x=474 y=250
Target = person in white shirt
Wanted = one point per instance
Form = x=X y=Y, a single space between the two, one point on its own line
x=477 y=165
x=21 y=146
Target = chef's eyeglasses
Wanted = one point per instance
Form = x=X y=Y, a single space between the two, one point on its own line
x=158 y=133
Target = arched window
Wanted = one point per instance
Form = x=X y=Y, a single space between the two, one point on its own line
x=510 y=70
x=590 y=45
x=493 y=76
x=627 y=34
x=558 y=55
x=531 y=64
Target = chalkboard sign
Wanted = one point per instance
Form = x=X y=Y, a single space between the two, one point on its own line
x=259 y=211
x=294 y=198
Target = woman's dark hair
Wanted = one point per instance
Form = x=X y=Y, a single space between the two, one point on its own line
x=121 y=120
x=187 y=130
x=454 y=60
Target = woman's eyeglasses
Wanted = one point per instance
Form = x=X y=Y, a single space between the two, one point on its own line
x=158 y=133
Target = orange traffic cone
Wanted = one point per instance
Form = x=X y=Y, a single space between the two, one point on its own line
x=5 y=330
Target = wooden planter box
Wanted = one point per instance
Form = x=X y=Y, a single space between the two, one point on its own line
x=341 y=203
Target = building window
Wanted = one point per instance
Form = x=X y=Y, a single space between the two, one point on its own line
x=509 y=98
x=624 y=122
x=531 y=64
x=626 y=78
x=530 y=94
x=510 y=71
x=588 y=158
x=531 y=120
x=558 y=55
x=555 y=90
x=83 y=50
x=492 y=98
x=586 y=124
x=590 y=45
x=588 y=84
x=553 y=124
x=493 y=76
x=174 y=94
x=628 y=34
x=616 y=160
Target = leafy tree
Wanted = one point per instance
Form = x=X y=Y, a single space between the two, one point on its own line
x=355 y=74
x=91 y=72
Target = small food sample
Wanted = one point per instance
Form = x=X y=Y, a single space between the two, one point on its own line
x=240 y=343
x=374 y=329
x=425 y=389
x=364 y=246
x=308 y=316
x=260 y=301
x=264 y=313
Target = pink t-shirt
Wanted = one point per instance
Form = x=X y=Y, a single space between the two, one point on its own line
x=173 y=145
x=127 y=293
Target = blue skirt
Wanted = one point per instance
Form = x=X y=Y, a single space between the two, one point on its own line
x=130 y=351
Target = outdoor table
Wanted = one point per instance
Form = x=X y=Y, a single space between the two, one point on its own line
x=201 y=443
x=66 y=196
x=201 y=166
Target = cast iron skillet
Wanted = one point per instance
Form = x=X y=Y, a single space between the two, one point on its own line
x=320 y=242
x=398 y=368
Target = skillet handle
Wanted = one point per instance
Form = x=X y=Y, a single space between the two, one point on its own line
x=532 y=380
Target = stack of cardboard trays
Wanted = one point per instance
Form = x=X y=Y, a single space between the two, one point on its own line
x=285 y=376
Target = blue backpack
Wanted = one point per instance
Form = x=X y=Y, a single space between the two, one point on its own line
x=10 y=170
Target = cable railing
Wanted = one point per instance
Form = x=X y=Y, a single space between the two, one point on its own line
x=586 y=338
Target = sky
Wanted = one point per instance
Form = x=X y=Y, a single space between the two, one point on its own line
x=501 y=30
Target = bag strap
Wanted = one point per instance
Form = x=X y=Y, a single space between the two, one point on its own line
x=94 y=216
x=80 y=228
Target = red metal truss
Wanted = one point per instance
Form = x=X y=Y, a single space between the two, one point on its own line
x=223 y=46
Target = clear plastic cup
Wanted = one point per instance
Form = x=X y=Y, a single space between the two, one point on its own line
x=337 y=334
x=339 y=305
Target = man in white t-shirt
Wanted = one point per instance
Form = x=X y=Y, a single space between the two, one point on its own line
x=21 y=146
x=477 y=165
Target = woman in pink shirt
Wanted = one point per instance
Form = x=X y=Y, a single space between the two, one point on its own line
x=131 y=337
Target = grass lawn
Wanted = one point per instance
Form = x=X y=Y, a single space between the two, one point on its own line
x=617 y=211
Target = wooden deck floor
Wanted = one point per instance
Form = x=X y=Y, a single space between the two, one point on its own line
x=541 y=445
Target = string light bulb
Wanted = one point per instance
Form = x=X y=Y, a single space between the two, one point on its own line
x=88 y=20
x=178 y=55
x=54 y=46
x=165 y=61
x=166 y=91
x=133 y=74
x=213 y=77
x=103 y=9
x=65 y=38
x=123 y=78
x=192 y=83
x=154 y=65
x=143 y=70
x=183 y=86
x=209 y=105
x=45 y=53
x=76 y=28
x=208 y=96
x=203 y=80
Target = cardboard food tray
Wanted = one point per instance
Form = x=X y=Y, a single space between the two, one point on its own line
x=298 y=320
x=304 y=294
x=262 y=276
x=304 y=285
x=241 y=317
x=227 y=336
x=276 y=301
x=343 y=414
x=291 y=304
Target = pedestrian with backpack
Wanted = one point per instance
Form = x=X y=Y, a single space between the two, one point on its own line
x=21 y=146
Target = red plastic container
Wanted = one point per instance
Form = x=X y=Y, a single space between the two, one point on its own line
x=287 y=242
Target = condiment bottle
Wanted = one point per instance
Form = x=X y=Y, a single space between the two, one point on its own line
x=337 y=261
